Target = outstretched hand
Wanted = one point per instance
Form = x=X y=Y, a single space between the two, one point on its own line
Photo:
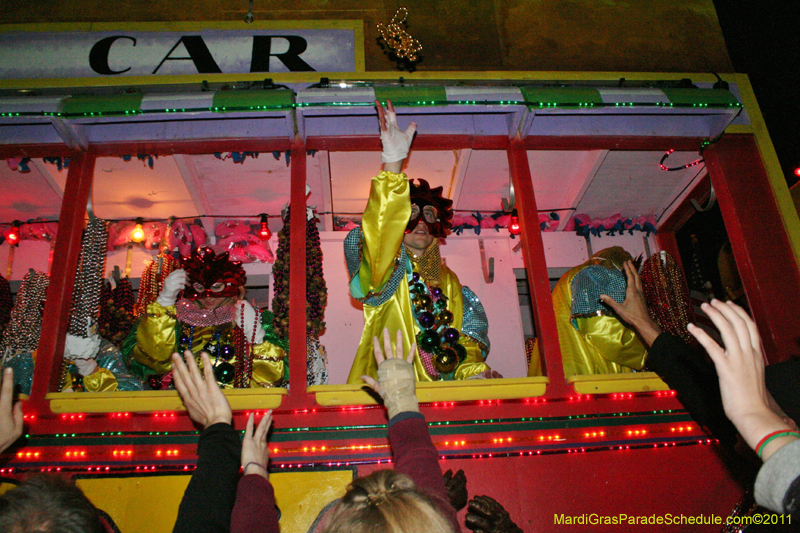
x=10 y=412
x=740 y=367
x=203 y=398
x=634 y=309
x=396 y=142
x=255 y=449
x=396 y=380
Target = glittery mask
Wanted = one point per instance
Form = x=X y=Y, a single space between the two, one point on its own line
x=421 y=196
x=211 y=275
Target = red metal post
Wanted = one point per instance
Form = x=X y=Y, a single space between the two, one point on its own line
x=62 y=279
x=297 y=282
x=538 y=280
x=759 y=241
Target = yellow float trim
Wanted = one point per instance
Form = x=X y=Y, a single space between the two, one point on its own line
x=611 y=383
x=149 y=401
x=449 y=391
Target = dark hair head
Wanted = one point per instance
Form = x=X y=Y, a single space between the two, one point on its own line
x=48 y=504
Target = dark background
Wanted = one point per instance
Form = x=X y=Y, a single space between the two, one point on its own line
x=763 y=42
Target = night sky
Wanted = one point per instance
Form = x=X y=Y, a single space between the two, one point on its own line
x=764 y=43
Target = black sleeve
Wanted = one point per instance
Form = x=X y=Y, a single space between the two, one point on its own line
x=694 y=379
x=207 y=504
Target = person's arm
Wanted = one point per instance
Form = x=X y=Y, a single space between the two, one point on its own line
x=10 y=411
x=413 y=451
x=740 y=367
x=388 y=208
x=255 y=511
x=208 y=501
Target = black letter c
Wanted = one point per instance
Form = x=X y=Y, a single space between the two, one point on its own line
x=98 y=57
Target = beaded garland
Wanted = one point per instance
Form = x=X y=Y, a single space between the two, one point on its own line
x=24 y=327
x=89 y=280
x=437 y=340
x=667 y=295
x=152 y=278
x=316 y=288
x=6 y=303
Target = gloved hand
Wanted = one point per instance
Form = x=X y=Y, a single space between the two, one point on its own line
x=485 y=515
x=86 y=367
x=396 y=142
x=456 y=489
x=249 y=323
x=76 y=348
x=174 y=284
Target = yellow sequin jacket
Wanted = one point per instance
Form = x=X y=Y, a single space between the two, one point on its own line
x=380 y=271
x=156 y=341
x=599 y=344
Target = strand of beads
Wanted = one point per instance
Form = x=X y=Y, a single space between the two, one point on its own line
x=436 y=334
x=89 y=280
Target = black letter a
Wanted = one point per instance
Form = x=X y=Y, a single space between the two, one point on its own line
x=198 y=52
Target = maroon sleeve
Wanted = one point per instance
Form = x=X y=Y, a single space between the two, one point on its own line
x=254 y=511
x=415 y=456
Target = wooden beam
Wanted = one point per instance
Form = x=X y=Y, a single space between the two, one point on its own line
x=298 y=398
x=55 y=321
x=538 y=280
x=759 y=241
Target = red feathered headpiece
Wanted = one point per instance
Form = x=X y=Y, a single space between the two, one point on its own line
x=422 y=195
x=212 y=275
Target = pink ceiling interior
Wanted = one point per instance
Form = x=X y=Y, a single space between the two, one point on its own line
x=599 y=183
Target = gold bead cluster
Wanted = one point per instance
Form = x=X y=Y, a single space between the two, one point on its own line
x=399 y=40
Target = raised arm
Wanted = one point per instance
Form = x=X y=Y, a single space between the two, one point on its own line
x=208 y=501
x=388 y=209
x=10 y=411
x=740 y=367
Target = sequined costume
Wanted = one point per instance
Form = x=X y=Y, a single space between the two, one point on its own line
x=381 y=277
x=596 y=342
x=159 y=335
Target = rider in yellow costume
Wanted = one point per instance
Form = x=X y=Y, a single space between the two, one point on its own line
x=211 y=315
x=592 y=339
x=397 y=273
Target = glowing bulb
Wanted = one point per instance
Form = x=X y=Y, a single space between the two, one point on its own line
x=264 y=233
x=13 y=234
x=513 y=224
x=137 y=235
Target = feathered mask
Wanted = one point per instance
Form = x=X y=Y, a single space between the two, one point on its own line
x=421 y=196
x=211 y=275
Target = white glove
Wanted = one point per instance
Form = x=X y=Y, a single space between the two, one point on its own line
x=396 y=142
x=86 y=366
x=174 y=284
x=251 y=321
x=77 y=348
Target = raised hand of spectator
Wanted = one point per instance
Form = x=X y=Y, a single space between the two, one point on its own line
x=10 y=412
x=740 y=367
x=396 y=381
x=255 y=449
x=203 y=398
x=634 y=309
